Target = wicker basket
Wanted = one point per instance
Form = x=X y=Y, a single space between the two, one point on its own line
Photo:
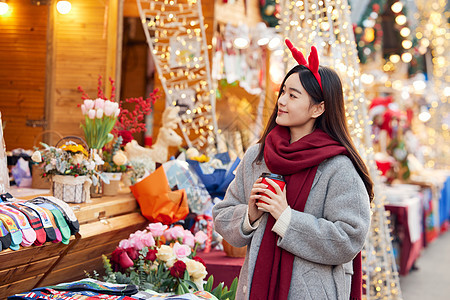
x=232 y=251
x=71 y=189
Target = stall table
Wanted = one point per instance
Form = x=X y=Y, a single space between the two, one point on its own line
x=103 y=223
x=222 y=267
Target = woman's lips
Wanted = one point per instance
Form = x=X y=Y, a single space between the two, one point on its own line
x=280 y=112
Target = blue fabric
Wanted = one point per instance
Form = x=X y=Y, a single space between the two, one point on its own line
x=444 y=203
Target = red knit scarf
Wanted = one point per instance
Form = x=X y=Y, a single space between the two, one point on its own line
x=298 y=163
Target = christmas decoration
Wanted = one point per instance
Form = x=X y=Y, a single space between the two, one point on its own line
x=176 y=36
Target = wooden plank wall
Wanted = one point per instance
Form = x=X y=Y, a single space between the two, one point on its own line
x=23 y=34
x=80 y=54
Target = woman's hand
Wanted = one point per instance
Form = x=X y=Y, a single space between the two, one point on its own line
x=276 y=203
x=253 y=212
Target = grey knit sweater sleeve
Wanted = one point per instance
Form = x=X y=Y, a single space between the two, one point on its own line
x=334 y=231
x=229 y=214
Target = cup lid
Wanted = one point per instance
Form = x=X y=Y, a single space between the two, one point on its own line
x=273 y=176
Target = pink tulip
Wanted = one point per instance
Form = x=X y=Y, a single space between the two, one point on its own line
x=189 y=239
x=200 y=237
x=157 y=229
x=117 y=113
x=91 y=114
x=99 y=114
x=109 y=108
x=181 y=251
x=125 y=261
x=99 y=103
x=89 y=104
x=83 y=109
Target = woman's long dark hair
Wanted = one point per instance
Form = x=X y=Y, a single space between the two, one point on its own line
x=332 y=121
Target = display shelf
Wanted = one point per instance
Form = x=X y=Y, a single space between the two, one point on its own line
x=103 y=223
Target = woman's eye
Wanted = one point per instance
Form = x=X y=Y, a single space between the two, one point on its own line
x=292 y=96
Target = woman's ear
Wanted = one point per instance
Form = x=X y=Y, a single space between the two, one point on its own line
x=318 y=109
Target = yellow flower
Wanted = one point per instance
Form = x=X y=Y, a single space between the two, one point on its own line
x=165 y=253
x=74 y=148
x=195 y=269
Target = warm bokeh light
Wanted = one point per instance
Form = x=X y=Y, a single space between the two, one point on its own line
x=3 y=8
x=397 y=7
x=63 y=7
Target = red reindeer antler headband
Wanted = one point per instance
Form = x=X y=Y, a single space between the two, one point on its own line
x=313 y=60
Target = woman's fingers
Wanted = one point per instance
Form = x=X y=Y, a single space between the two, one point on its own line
x=274 y=185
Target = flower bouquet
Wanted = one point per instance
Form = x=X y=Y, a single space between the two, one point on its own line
x=100 y=116
x=71 y=169
x=163 y=260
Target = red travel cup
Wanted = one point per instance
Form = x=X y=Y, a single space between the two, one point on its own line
x=278 y=179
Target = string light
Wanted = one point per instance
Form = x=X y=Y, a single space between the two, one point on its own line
x=180 y=53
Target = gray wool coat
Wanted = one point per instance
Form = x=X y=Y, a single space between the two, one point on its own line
x=324 y=238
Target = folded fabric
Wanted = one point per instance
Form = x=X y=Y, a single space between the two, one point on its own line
x=47 y=293
x=16 y=235
x=93 y=285
x=28 y=234
x=45 y=219
x=34 y=220
x=5 y=237
x=68 y=213
x=59 y=220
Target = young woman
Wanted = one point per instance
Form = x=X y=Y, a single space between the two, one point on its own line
x=303 y=242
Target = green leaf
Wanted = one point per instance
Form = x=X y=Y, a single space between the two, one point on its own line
x=230 y=295
x=191 y=284
x=179 y=290
x=233 y=288
x=184 y=287
x=209 y=284
x=218 y=290
x=186 y=275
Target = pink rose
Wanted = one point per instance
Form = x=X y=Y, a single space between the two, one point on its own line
x=174 y=233
x=136 y=242
x=189 y=239
x=181 y=251
x=200 y=237
x=148 y=240
x=123 y=244
x=157 y=229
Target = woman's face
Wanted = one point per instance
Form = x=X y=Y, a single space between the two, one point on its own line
x=294 y=107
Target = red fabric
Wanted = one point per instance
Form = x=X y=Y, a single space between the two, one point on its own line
x=298 y=163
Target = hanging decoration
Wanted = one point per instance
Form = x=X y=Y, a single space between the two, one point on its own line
x=433 y=31
x=326 y=24
x=175 y=34
x=270 y=12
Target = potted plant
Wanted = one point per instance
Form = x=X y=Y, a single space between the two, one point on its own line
x=71 y=169
x=116 y=163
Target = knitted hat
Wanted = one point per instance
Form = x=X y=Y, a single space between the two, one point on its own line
x=34 y=220
x=59 y=220
x=5 y=236
x=16 y=235
x=28 y=234
x=67 y=211
x=45 y=219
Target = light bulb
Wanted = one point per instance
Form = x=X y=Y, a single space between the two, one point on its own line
x=3 y=8
x=400 y=19
x=397 y=7
x=63 y=7
x=394 y=58
x=405 y=31
x=407 y=44
x=406 y=57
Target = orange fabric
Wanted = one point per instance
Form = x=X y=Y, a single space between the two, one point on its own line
x=158 y=203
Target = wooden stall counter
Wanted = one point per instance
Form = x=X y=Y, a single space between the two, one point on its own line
x=103 y=223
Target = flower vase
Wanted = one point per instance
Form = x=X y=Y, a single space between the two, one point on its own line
x=96 y=187
x=113 y=187
x=71 y=189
